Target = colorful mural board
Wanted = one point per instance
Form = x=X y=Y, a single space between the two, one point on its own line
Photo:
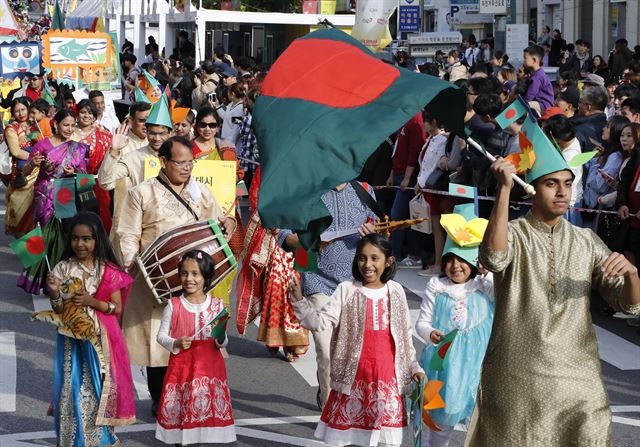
x=20 y=59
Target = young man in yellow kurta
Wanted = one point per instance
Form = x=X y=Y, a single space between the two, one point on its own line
x=541 y=383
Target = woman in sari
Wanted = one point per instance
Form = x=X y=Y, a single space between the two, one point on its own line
x=92 y=385
x=20 y=135
x=207 y=147
x=99 y=141
x=57 y=157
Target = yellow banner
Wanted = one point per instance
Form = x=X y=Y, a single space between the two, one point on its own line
x=218 y=176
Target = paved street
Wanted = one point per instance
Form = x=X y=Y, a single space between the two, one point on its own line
x=273 y=401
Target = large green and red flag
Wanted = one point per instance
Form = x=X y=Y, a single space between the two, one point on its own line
x=325 y=106
x=30 y=248
x=64 y=197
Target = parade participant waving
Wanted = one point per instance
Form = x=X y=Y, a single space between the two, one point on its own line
x=98 y=139
x=155 y=206
x=127 y=168
x=195 y=358
x=541 y=382
x=373 y=360
x=56 y=157
x=20 y=135
x=461 y=299
x=89 y=281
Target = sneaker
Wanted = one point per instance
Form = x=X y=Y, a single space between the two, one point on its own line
x=410 y=263
x=633 y=322
x=434 y=270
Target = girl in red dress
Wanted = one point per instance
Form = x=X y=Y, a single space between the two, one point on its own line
x=195 y=406
x=373 y=360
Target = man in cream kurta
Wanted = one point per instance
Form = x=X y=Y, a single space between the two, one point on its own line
x=150 y=211
x=123 y=166
x=541 y=383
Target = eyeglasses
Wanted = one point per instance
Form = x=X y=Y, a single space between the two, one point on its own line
x=188 y=164
x=209 y=125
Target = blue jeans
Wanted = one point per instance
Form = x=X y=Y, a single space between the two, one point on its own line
x=400 y=211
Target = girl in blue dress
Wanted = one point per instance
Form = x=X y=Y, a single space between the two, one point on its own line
x=462 y=299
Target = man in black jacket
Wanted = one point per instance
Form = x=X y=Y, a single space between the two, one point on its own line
x=591 y=118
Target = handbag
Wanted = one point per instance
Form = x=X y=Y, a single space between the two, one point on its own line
x=6 y=163
x=420 y=208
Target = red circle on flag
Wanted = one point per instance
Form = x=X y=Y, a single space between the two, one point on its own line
x=443 y=350
x=510 y=113
x=329 y=72
x=461 y=190
x=84 y=181
x=64 y=196
x=35 y=245
x=302 y=258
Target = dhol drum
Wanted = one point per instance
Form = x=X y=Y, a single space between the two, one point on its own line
x=159 y=262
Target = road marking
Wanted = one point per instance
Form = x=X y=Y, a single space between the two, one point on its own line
x=277 y=437
x=5 y=440
x=7 y=250
x=626 y=421
x=305 y=365
x=625 y=408
x=40 y=303
x=138 y=374
x=9 y=273
x=8 y=366
x=617 y=351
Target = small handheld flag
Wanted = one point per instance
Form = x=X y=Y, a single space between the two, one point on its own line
x=462 y=190
x=305 y=260
x=219 y=325
x=512 y=112
x=30 y=248
x=442 y=351
x=64 y=198
x=85 y=182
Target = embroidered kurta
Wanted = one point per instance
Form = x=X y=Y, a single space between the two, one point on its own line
x=541 y=382
x=150 y=211
x=121 y=174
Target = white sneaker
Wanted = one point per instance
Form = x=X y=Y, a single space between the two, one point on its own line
x=410 y=263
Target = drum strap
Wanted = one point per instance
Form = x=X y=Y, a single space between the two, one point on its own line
x=177 y=196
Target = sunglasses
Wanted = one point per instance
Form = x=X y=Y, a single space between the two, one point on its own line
x=209 y=125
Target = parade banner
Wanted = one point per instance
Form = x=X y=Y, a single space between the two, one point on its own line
x=372 y=23
x=20 y=59
x=218 y=176
x=80 y=59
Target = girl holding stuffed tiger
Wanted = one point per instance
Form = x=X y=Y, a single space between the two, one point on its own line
x=92 y=386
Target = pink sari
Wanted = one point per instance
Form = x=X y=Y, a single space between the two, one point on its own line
x=117 y=405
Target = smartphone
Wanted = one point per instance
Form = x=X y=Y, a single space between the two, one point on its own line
x=595 y=142
x=604 y=174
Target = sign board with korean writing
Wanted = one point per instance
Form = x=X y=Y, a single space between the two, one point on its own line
x=453 y=37
x=493 y=7
x=409 y=15
x=517 y=39
x=465 y=14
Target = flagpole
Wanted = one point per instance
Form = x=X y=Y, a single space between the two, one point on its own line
x=527 y=187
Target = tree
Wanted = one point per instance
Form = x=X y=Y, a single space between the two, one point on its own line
x=260 y=5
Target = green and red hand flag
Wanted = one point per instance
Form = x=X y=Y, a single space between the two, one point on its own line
x=30 y=248
x=442 y=351
x=219 y=325
x=325 y=106
x=305 y=260
x=64 y=197
x=512 y=112
x=85 y=182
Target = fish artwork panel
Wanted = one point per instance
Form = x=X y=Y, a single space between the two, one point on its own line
x=20 y=59
x=74 y=48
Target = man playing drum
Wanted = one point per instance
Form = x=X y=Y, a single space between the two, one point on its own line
x=154 y=207
x=123 y=165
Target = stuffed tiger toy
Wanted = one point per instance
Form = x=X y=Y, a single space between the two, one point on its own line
x=74 y=321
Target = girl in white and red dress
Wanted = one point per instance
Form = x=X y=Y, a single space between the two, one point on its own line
x=372 y=357
x=195 y=406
